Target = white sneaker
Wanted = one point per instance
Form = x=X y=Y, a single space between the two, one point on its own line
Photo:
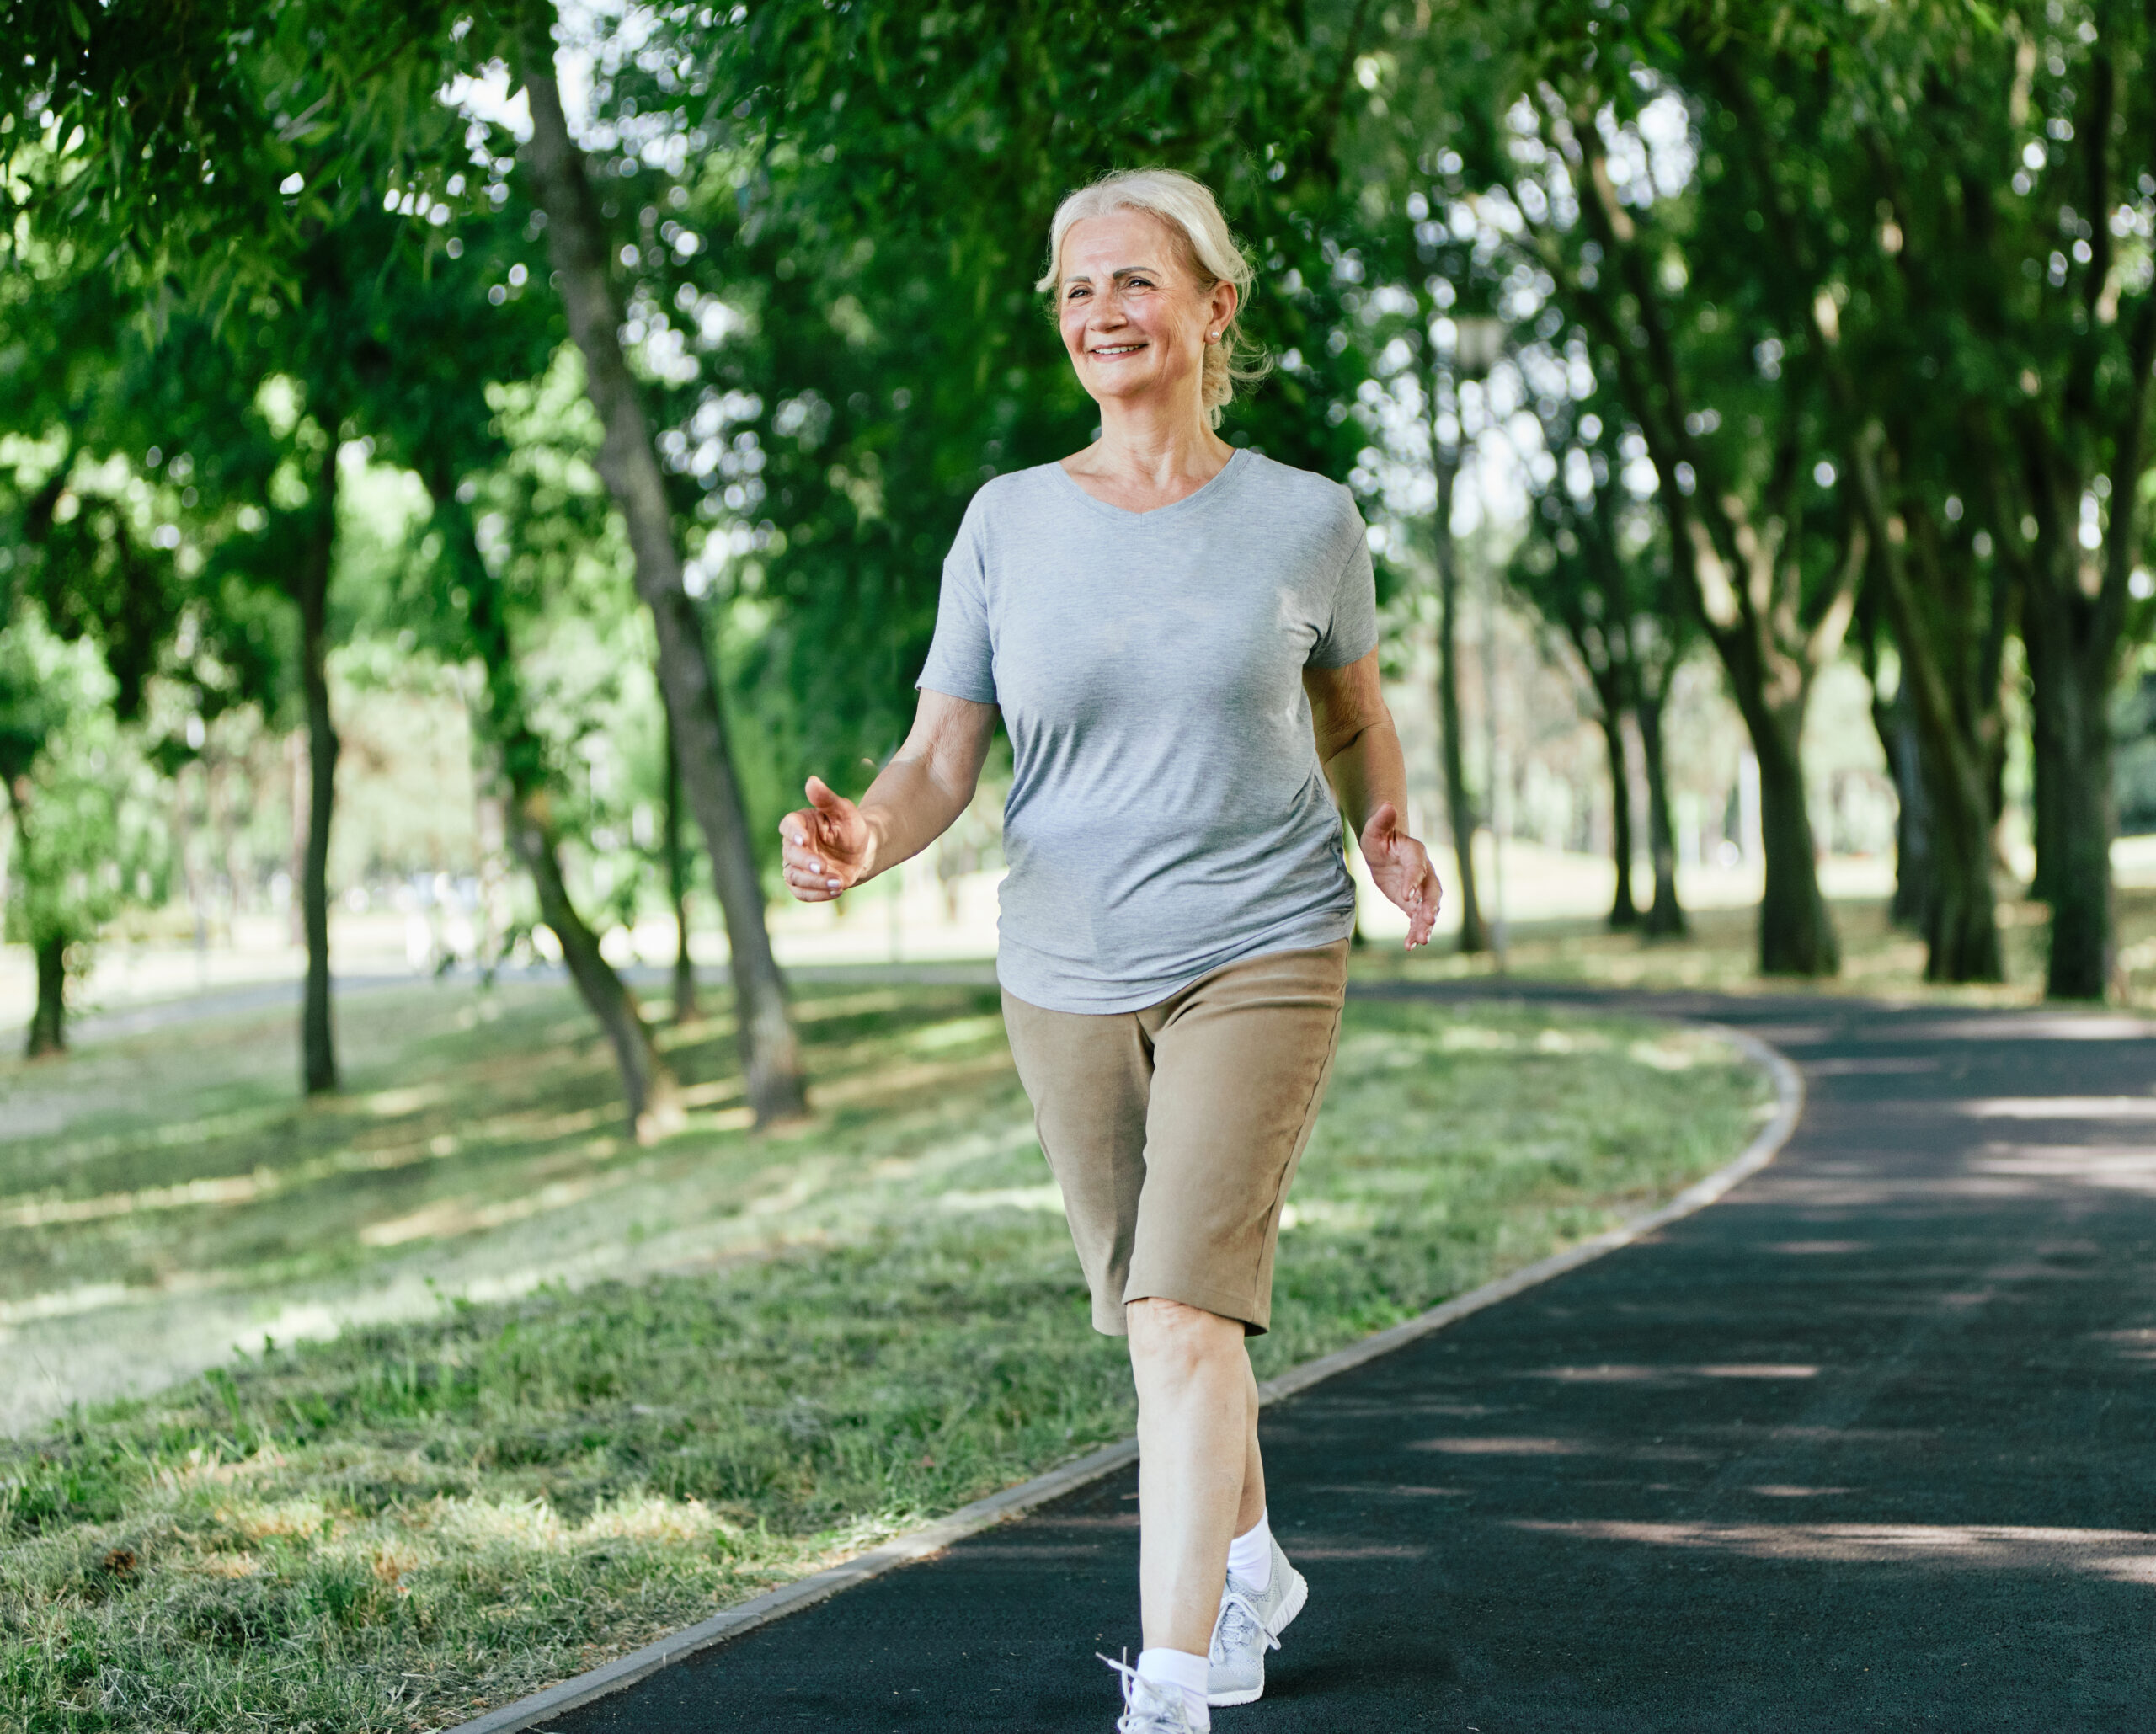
x=1150 y=1707
x=1250 y=1622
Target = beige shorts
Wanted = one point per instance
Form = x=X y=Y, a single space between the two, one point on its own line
x=1174 y=1131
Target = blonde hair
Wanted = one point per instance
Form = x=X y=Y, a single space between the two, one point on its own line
x=1190 y=211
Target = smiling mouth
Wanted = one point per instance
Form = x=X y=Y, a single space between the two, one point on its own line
x=1114 y=351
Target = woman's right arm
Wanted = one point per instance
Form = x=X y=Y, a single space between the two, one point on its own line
x=833 y=843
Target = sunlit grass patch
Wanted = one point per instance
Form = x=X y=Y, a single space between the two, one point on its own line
x=1721 y=955
x=855 y=1325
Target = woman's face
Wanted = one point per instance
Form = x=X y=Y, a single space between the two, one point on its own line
x=1134 y=320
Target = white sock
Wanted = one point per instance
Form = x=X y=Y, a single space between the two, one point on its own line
x=1250 y=1555
x=1182 y=1669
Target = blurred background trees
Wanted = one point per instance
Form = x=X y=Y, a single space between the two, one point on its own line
x=612 y=380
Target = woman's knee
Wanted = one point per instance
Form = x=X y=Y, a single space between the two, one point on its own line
x=1172 y=1333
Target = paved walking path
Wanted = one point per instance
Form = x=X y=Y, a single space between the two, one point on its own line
x=1870 y=1444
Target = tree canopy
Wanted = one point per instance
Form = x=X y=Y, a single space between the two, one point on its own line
x=1774 y=324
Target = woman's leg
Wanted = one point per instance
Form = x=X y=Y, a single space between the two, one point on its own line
x=1197 y=1450
x=1252 y=1505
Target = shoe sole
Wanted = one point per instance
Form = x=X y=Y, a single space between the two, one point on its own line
x=1299 y=1592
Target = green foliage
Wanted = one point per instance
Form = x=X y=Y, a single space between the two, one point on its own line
x=245 y=234
x=200 y=148
x=87 y=836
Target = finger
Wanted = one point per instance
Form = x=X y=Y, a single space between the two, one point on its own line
x=1414 y=872
x=825 y=798
x=798 y=850
x=1383 y=822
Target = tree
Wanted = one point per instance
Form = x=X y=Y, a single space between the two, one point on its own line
x=1460 y=816
x=1568 y=142
x=676 y=859
x=1943 y=215
x=96 y=562
x=2018 y=191
x=1595 y=567
x=647 y=1082
x=431 y=342
x=1773 y=578
x=1870 y=316
x=1910 y=906
x=69 y=780
x=770 y=1057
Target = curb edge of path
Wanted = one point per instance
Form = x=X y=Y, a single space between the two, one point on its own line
x=529 y=1713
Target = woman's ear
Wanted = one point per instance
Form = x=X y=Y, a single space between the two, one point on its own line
x=1224 y=301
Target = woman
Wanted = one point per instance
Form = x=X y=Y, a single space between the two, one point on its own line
x=1180 y=638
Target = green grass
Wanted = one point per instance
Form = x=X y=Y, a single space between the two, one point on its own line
x=831 y=1334
x=1721 y=955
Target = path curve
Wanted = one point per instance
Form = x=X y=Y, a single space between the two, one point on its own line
x=1864 y=1446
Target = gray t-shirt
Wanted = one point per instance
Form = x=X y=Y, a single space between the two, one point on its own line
x=1167 y=814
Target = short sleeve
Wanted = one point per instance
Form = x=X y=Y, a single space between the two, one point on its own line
x=1352 y=633
x=962 y=655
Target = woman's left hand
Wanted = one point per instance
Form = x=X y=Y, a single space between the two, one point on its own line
x=1400 y=866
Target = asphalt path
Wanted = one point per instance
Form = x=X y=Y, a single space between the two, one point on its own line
x=1866 y=1445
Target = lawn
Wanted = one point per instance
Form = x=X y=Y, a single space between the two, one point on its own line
x=697 y=1369
x=1721 y=955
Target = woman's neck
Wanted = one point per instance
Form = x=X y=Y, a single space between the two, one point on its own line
x=1148 y=456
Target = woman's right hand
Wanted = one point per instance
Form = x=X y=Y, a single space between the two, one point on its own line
x=826 y=844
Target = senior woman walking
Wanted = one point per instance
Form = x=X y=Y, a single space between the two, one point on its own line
x=1181 y=640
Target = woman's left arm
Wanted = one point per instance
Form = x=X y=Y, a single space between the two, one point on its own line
x=1360 y=751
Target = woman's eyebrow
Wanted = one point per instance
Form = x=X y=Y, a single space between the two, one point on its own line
x=1119 y=271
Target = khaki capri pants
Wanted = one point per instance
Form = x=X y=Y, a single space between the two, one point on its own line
x=1174 y=1131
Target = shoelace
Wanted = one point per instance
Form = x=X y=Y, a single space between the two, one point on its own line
x=1165 y=1714
x=1236 y=1603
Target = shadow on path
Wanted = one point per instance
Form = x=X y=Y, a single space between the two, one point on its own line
x=1866 y=1445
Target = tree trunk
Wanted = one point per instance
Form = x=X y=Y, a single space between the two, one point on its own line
x=49 y=1023
x=318 y=1044
x=1911 y=907
x=770 y=1057
x=2068 y=696
x=2076 y=609
x=655 y=1098
x=677 y=888
x=1796 y=934
x=648 y=1083
x=1665 y=917
x=1943 y=834
x=2044 y=790
x=295 y=905
x=1459 y=805
x=1961 y=921
x=1624 y=913
x=1961 y=930
x=48 y=1031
